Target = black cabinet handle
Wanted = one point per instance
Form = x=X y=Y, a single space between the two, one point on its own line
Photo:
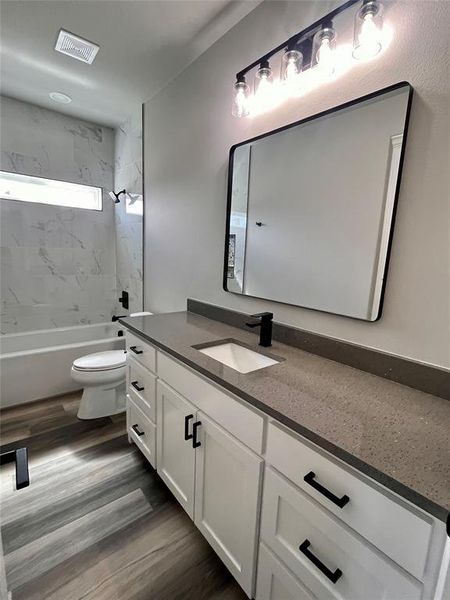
x=136 y=429
x=333 y=576
x=195 y=442
x=134 y=349
x=187 y=435
x=139 y=388
x=341 y=502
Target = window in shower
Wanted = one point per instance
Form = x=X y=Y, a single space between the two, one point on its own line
x=26 y=188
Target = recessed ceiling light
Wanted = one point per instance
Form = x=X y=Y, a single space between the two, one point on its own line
x=76 y=47
x=60 y=97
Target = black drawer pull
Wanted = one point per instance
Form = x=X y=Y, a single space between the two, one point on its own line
x=341 y=502
x=195 y=442
x=332 y=576
x=134 y=349
x=136 y=429
x=139 y=388
x=187 y=435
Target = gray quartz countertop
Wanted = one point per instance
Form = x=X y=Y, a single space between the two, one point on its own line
x=397 y=435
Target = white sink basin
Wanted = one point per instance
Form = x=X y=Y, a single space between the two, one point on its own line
x=238 y=357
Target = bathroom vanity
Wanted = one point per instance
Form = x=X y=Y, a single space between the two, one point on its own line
x=300 y=485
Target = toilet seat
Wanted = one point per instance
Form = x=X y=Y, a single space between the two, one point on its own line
x=101 y=361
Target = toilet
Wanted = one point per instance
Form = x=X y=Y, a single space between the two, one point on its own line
x=102 y=375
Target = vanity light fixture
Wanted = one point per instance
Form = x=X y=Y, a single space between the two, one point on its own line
x=368 y=30
x=312 y=49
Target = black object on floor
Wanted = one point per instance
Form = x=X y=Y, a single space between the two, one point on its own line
x=20 y=457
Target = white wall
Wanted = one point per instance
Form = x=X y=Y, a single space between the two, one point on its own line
x=189 y=131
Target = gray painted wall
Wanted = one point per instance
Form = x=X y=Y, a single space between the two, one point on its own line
x=58 y=265
x=189 y=130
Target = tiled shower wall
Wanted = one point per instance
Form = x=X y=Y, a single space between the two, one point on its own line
x=58 y=265
x=129 y=231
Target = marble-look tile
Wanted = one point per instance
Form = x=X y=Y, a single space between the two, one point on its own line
x=58 y=264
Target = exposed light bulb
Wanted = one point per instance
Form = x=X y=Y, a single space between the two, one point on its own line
x=241 y=98
x=325 y=55
x=264 y=80
x=368 y=31
x=264 y=89
x=325 y=50
x=291 y=65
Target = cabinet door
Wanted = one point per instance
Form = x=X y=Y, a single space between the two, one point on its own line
x=175 y=455
x=227 y=492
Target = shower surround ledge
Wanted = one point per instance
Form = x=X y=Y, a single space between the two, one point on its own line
x=392 y=433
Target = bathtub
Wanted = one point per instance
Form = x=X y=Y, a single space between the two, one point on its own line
x=37 y=364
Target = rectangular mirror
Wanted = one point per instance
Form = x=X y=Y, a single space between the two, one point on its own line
x=311 y=207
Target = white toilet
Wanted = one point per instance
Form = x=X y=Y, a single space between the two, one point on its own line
x=102 y=376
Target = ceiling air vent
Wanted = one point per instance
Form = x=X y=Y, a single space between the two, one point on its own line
x=76 y=47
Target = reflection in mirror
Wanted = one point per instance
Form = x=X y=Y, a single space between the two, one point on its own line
x=311 y=207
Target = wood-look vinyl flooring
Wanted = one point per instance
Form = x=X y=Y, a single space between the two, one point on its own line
x=96 y=522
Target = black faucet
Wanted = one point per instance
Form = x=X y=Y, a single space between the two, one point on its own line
x=117 y=317
x=265 y=322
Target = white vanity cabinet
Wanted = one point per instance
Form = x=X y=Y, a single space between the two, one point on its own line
x=289 y=520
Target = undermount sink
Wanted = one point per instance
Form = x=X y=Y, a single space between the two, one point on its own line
x=238 y=357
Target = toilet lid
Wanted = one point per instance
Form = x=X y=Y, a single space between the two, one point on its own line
x=101 y=361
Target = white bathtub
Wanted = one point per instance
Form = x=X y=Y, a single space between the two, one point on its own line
x=37 y=364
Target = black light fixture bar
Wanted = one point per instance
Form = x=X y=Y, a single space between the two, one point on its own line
x=301 y=37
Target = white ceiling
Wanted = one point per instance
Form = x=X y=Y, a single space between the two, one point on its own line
x=143 y=45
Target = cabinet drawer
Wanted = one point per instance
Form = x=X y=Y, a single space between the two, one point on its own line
x=142 y=431
x=239 y=420
x=331 y=561
x=395 y=522
x=275 y=581
x=142 y=388
x=141 y=351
